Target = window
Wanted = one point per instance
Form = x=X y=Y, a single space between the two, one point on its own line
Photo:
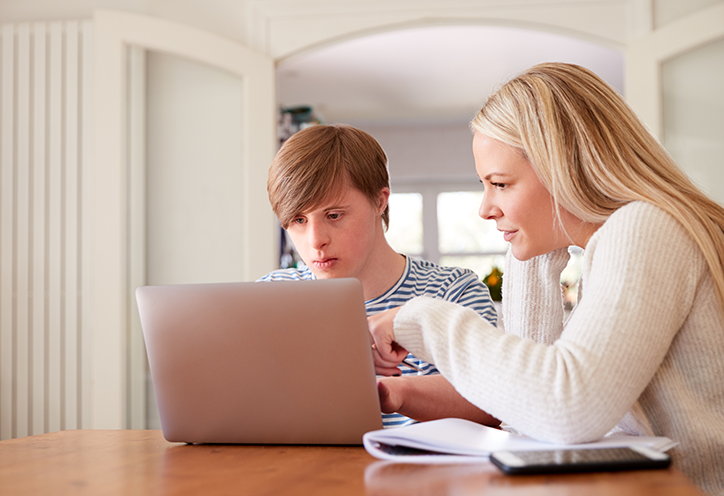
x=440 y=223
x=405 y=231
x=464 y=239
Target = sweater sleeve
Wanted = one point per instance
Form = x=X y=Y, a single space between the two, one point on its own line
x=579 y=387
x=532 y=296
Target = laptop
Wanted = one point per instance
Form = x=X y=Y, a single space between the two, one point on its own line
x=286 y=362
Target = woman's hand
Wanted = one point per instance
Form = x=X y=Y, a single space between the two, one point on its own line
x=388 y=354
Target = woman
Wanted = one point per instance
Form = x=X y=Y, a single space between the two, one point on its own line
x=564 y=161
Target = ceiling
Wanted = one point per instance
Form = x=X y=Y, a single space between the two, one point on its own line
x=427 y=74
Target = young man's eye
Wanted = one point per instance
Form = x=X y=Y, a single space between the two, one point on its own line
x=299 y=220
x=334 y=215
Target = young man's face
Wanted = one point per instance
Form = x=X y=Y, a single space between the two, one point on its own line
x=338 y=238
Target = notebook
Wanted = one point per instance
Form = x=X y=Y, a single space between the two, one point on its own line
x=286 y=362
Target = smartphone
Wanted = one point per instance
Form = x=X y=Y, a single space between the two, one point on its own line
x=579 y=460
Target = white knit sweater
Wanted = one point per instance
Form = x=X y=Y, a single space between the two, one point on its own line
x=643 y=349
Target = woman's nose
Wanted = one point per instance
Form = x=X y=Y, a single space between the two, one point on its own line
x=487 y=210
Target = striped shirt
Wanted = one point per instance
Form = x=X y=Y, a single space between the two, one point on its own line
x=420 y=278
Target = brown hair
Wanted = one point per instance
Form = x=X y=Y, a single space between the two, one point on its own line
x=319 y=160
x=594 y=155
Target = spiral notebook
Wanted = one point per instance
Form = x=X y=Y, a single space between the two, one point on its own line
x=262 y=363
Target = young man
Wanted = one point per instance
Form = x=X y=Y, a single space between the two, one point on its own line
x=329 y=187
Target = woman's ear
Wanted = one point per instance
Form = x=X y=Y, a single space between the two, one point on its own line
x=382 y=199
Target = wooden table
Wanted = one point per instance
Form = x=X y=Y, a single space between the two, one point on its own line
x=137 y=462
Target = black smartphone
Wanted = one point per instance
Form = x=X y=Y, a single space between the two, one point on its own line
x=579 y=460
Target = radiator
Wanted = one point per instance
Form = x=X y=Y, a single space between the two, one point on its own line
x=45 y=86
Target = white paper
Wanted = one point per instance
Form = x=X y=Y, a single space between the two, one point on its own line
x=458 y=440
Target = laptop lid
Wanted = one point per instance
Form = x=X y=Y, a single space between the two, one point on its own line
x=262 y=363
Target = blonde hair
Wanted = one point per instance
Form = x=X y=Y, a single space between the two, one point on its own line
x=318 y=162
x=594 y=155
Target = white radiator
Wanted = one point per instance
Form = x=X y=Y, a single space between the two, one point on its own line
x=45 y=85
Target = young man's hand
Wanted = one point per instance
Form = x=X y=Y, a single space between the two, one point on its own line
x=428 y=397
x=390 y=400
x=388 y=354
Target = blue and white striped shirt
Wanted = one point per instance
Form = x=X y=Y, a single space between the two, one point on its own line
x=420 y=278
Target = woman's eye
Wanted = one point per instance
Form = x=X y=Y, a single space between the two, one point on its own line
x=498 y=185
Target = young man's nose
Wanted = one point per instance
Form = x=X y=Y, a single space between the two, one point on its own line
x=318 y=235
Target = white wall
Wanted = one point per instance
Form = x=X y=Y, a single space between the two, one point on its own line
x=194 y=174
x=693 y=115
x=284 y=27
x=426 y=152
x=667 y=11
x=223 y=17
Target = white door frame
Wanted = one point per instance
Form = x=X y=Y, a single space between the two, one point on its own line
x=646 y=56
x=110 y=296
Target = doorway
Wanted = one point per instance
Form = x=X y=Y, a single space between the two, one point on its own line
x=415 y=90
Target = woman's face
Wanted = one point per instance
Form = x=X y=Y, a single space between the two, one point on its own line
x=517 y=201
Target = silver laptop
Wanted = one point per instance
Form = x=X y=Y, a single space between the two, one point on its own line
x=262 y=363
